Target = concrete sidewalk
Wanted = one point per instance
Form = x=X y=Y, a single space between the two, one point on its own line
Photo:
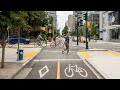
x=12 y=65
x=105 y=62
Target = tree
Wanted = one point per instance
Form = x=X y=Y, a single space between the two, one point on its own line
x=65 y=30
x=4 y=23
x=73 y=33
x=13 y=19
x=93 y=30
x=19 y=20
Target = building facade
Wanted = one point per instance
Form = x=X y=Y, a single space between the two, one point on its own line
x=54 y=15
x=93 y=17
x=66 y=23
x=78 y=15
x=111 y=25
x=71 y=23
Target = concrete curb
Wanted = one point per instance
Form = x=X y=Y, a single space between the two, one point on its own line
x=25 y=64
x=97 y=50
x=101 y=74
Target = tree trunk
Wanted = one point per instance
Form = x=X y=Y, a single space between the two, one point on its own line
x=3 y=49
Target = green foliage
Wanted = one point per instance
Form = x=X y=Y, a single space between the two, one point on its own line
x=65 y=30
x=73 y=33
x=93 y=30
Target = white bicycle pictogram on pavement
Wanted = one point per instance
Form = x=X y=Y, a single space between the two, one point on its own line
x=69 y=71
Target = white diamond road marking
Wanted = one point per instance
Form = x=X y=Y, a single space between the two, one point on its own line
x=40 y=71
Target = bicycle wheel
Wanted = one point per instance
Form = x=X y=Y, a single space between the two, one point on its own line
x=36 y=44
x=83 y=72
x=69 y=73
x=61 y=45
x=52 y=45
x=43 y=43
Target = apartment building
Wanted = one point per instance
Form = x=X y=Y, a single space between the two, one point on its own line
x=54 y=15
x=71 y=25
x=93 y=17
x=110 y=25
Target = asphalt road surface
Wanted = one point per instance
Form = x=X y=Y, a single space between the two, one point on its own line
x=50 y=63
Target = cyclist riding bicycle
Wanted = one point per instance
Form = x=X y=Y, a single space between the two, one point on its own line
x=39 y=38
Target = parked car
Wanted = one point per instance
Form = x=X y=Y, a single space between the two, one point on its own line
x=74 y=39
x=14 y=40
x=82 y=39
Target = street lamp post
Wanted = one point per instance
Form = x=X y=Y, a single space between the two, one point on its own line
x=86 y=31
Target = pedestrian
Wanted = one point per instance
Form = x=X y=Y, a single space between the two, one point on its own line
x=66 y=44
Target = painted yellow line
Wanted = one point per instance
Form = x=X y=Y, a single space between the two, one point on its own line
x=113 y=53
x=85 y=54
x=58 y=70
x=30 y=54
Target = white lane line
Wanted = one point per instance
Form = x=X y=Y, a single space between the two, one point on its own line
x=57 y=51
x=37 y=60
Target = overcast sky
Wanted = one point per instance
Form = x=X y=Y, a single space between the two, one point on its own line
x=62 y=17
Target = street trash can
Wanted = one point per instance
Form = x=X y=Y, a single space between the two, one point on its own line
x=20 y=56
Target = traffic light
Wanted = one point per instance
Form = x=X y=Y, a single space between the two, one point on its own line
x=43 y=28
x=81 y=22
x=88 y=24
x=85 y=16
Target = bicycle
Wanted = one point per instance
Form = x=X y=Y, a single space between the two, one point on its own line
x=58 y=43
x=69 y=71
x=37 y=43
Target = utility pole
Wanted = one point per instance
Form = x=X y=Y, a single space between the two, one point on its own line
x=86 y=31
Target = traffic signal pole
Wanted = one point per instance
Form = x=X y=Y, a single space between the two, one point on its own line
x=77 y=30
x=86 y=31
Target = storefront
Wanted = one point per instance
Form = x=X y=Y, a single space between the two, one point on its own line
x=114 y=21
x=115 y=33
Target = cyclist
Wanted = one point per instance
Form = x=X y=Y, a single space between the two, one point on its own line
x=39 y=39
x=54 y=39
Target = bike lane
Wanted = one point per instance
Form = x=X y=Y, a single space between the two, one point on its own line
x=56 y=70
x=50 y=63
x=75 y=72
